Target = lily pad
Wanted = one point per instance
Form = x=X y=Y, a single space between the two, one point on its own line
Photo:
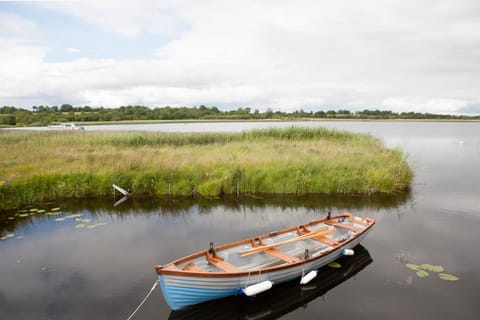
x=448 y=277
x=55 y=209
x=80 y=226
x=413 y=267
x=11 y=218
x=54 y=213
x=60 y=219
x=432 y=268
x=92 y=226
x=10 y=235
x=33 y=210
x=41 y=211
x=335 y=265
x=3 y=238
x=20 y=237
x=72 y=216
x=422 y=274
x=23 y=215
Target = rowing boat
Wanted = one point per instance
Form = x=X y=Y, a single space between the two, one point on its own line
x=254 y=265
x=281 y=299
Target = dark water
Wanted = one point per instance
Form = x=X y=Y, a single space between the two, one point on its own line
x=58 y=271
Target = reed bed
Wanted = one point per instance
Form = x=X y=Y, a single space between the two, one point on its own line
x=43 y=166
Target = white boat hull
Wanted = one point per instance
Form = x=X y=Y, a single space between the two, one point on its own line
x=184 y=290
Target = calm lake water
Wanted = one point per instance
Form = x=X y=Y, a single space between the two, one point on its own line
x=52 y=269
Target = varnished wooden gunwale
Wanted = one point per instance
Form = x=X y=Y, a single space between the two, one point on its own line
x=172 y=269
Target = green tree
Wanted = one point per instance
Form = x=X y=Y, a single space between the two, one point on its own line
x=66 y=108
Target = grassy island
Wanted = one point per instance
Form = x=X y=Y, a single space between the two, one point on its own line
x=43 y=166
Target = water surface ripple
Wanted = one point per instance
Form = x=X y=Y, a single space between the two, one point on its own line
x=50 y=268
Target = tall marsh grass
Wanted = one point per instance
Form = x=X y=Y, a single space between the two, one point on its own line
x=42 y=166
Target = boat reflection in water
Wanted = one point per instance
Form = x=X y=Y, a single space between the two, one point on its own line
x=281 y=299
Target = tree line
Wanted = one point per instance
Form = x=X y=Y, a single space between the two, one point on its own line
x=45 y=115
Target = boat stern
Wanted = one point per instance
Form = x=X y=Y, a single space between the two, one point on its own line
x=180 y=292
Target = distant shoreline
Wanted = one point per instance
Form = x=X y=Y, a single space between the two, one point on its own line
x=126 y=122
x=66 y=113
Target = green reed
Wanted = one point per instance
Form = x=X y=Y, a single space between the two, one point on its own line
x=43 y=166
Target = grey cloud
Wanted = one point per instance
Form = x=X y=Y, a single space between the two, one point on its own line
x=472 y=109
x=399 y=55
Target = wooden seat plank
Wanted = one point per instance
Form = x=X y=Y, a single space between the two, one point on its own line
x=361 y=221
x=317 y=233
x=192 y=266
x=327 y=241
x=171 y=267
x=282 y=255
x=358 y=220
x=222 y=265
x=343 y=225
x=323 y=239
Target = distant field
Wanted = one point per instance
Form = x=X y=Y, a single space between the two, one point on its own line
x=43 y=166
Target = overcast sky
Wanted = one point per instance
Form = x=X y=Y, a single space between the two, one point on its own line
x=421 y=56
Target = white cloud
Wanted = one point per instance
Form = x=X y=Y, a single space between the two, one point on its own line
x=124 y=17
x=439 y=105
x=72 y=50
x=12 y=25
x=398 y=55
x=20 y=58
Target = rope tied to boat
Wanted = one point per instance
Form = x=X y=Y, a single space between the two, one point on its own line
x=143 y=301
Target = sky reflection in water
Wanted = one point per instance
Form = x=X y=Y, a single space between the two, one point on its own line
x=60 y=272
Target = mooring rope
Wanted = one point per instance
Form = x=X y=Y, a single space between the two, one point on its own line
x=145 y=299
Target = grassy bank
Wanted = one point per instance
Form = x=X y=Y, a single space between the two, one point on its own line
x=42 y=166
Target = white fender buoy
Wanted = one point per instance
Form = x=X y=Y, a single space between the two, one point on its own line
x=348 y=252
x=257 y=288
x=308 y=277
